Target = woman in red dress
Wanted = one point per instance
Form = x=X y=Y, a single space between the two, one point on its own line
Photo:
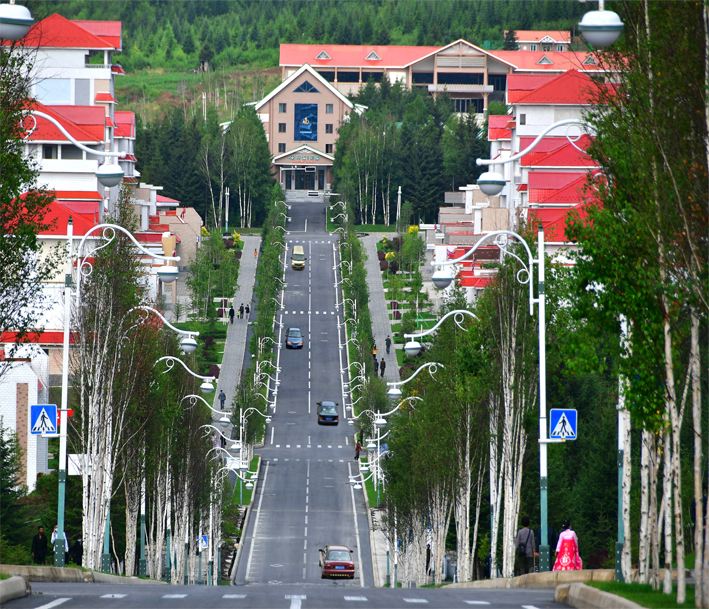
x=567 y=551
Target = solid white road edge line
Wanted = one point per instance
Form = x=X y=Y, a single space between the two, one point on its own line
x=359 y=545
x=258 y=513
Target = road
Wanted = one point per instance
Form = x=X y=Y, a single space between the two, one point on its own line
x=303 y=501
x=104 y=596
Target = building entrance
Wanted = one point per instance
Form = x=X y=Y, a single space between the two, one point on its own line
x=304 y=180
x=300 y=179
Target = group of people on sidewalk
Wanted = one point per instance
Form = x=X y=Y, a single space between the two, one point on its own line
x=381 y=364
x=39 y=547
x=567 y=548
x=243 y=309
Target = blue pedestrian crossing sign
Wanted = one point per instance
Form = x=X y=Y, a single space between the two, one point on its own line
x=563 y=424
x=43 y=419
x=203 y=542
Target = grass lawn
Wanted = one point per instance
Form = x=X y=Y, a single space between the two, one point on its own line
x=4 y=576
x=369 y=487
x=400 y=355
x=376 y=228
x=644 y=595
x=253 y=467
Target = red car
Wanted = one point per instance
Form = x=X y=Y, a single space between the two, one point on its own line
x=336 y=561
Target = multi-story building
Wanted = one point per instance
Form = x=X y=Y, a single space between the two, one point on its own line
x=542 y=40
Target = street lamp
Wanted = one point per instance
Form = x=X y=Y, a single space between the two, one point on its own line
x=15 y=21
x=235 y=446
x=206 y=387
x=413 y=347
x=224 y=420
x=395 y=392
x=188 y=343
x=354 y=341
x=601 y=28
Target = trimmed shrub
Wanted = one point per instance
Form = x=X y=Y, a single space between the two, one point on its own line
x=383 y=265
x=381 y=255
x=393 y=267
x=396 y=314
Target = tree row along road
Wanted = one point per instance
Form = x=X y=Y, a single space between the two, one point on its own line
x=304 y=501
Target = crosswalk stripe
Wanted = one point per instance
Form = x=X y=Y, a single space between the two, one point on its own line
x=234 y=596
x=174 y=595
x=356 y=598
x=415 y=600
x=54 y=603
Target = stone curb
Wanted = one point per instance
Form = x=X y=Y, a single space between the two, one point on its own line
x=548 y=579
x=15 y=587
x=33 y=573
x=585 y=597
x=247 y=520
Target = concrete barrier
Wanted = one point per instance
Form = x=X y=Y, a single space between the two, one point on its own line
x=249 y=509
x=582 y=596
x=547 y=579
x=15 y=587
x=35 y=573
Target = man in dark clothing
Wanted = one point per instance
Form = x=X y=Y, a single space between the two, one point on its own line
x=247 y=310
x=76 y=554
x=525 y=538
x=388 y=344
x=222 y=399
x=231 y=313
x=382 y=367
x=39 y=547
x=241 y=311
x=361 y=436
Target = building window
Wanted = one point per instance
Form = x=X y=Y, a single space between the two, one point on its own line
x=281 y=147
x=461 y=105
x=532 y=47
x=281 y=108
x=281 y=127
x=546 y=47
x=328 y=148
x=50 y=151
x=328 y=108
x=560 y=48
x=328 y=128
x=522 y=119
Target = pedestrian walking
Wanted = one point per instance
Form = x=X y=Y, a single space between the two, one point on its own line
x=222 y=399
x=357 y=449
x=247 y=310
x=241 y=311
x=524 y=543
x=388 y=344
x=382 y=367
x=376 y=363
x=255 y=253
x=361 y=436
x=54 y=538
x=231 y=313
x=567 y=550
x=39 y=547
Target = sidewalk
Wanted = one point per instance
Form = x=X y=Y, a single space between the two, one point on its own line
x=381 y=327
x=235 y=345
x=381 y=324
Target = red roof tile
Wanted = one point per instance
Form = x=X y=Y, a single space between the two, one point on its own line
x=351 y=55
x=48 y=132
x=570 y=88
x=60 y=33
x=105 y=98
x=519 y=85
x=554 y=222
x=544 y=183
x=537 y=35
x=164 y=199
x=109 y=122
x=110 y=31
x=474 y=282
x=83 y=215
x=77 y=195
x=572 y=194
x=498 y=128
x=40 y=338
x=116 y=69
x=125 y=124
x=564 y=156
x=90 y=118
x=528 y=61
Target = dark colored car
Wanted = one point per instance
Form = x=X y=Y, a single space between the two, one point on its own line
x=336 y=561
x=327 y=413
x=294 y=338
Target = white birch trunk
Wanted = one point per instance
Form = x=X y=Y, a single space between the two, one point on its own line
x=644 y=534
x=697 y=423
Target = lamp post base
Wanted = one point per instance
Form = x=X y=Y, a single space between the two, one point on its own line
x=105 y=562
x=544 y=559
x=142 y=567
x=59 y=553
x=618 y=558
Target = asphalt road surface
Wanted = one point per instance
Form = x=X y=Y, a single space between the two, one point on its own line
x=303 y=501
x=105 y=596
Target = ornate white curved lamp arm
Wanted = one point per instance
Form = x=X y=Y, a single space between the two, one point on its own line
x=433 y=367
x=194 y=398
x=493 y=235
x=457 y=317
x=112 y=228
x=217 y=430
x=171 y=363
x=58 y=125
x=167 y=323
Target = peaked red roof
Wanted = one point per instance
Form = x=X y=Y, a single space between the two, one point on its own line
x=84 y=216
x=125 y=124
x=77 y=195
x=568 y=155
x=110 y=31
x=499 y=127
x=542 y=184
x=90 y=118
x=60 y=33
x=48 y=132
x=556 y=61
x=105 y=98
x=520 y=85
x=569 y=88
x=554 y=222
x=164 y=199
x=351 y=55
x=572 y=194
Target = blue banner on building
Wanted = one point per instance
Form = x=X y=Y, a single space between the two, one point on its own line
x=306 y=123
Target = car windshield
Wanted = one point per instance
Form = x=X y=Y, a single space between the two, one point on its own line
x=294 y=333
x=328 y=409
x=298 y=256
x=339 y=555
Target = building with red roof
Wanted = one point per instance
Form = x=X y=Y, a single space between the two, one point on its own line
x=542 y=40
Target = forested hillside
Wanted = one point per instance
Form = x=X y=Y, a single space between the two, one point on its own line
x=175 y=34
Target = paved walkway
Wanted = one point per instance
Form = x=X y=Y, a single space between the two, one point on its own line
x=235 y=345
x=381 y=327
x=381 y=324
